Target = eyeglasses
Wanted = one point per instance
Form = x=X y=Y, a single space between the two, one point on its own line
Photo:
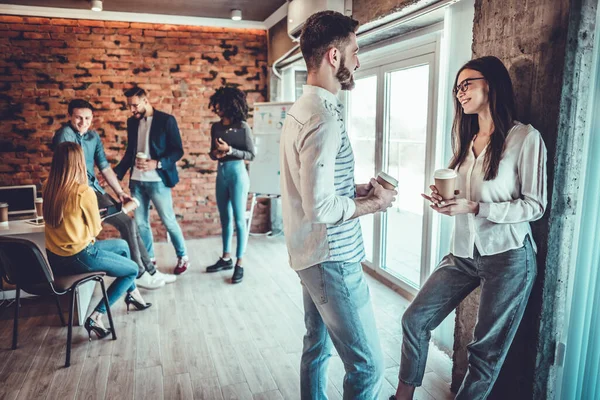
x=464 y=85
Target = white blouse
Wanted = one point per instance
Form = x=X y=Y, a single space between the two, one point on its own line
x=506 y=204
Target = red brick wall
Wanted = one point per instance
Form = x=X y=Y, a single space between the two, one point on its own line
x=46 y=62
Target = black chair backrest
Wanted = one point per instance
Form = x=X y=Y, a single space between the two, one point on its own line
x=24 y=265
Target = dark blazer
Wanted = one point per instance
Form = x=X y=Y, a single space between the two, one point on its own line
x=165 y=146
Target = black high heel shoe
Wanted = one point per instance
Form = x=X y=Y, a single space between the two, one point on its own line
x=130 y=300
x=91 y=326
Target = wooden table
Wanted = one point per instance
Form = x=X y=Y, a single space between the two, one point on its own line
x=35 y=233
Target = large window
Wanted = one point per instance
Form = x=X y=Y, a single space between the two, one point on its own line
x=362 y=121
x=391 y=127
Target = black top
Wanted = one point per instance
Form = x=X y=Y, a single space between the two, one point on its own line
x=238 y=136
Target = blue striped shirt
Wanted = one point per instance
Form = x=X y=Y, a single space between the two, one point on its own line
x=345 y=239
x=317 y=183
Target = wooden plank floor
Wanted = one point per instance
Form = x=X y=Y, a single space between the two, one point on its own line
x=203 y=338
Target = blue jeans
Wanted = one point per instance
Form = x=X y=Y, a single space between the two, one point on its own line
x=232 y=197
x=163 y=201
x=506 y=280
x=111 y=256
x=338 y=312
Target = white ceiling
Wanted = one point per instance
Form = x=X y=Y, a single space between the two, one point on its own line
x=252 y=10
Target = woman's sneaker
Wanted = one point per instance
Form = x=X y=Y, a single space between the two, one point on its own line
x=182 y=265
x=220 y=265
x=168 y=278
x=148 y=281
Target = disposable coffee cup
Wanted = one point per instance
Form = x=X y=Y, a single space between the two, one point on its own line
x=39 y=207
x=445 y=182
x=3 y=213
x=131 y=205
x=142 y=156
x=388 y=182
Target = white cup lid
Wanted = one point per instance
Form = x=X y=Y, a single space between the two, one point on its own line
x=141 y=155
x=389 y=179
x=444 y=174
x=3 y=204
x=39 y=200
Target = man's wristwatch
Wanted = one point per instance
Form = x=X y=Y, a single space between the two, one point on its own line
x=159 y=165
x=230 y=151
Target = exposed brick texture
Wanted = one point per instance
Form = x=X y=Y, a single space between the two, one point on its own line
x=46 y=62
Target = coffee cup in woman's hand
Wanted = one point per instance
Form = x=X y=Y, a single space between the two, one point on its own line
x=434 y=197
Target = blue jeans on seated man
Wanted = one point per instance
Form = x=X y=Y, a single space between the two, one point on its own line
x=161 y=197
x=338 y=312
x=506 y=281
x=111 y=256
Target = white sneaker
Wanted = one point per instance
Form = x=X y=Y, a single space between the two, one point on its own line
x=148 y=281
x=165 y=277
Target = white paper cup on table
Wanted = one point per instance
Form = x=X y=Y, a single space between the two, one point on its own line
x=445 y=182
x=4 y=213
x=388 y=182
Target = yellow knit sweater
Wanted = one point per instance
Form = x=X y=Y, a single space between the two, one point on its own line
x=79 y=227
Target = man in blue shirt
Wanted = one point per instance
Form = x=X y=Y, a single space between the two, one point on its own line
x=78 y=131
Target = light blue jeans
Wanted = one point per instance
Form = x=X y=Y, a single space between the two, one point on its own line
x=233 y=184
x=506 y=281
x=160 y=195
x=111 y=256
x=338 y=312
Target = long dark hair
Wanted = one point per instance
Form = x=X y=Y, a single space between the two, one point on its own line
x=232 y=101
x=502 y=107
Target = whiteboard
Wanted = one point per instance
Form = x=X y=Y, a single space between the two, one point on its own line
x=264 y=170
x=269 y=117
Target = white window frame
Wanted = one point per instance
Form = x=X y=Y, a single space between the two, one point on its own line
x=288 y=80
x=417 y=48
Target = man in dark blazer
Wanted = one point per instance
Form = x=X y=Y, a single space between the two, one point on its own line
x=153 y=149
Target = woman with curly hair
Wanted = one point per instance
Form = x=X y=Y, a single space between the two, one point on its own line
x=231 y=145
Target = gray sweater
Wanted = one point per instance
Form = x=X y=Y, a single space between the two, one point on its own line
x=239 y=138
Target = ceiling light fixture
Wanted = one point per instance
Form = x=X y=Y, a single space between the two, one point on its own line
x=236 y=15
x=96 y=5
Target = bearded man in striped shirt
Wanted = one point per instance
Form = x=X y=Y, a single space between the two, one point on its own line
x=321 y=205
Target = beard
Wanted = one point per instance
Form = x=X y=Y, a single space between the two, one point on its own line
x=140 y=114
x=344 y=76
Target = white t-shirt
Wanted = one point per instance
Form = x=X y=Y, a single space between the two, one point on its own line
x=143 y=146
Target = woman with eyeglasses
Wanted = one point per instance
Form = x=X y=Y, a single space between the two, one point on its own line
x=72 y=224
x=231 y=145
x=501 y=168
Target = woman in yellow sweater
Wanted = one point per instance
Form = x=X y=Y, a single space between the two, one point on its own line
x=72 y=224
